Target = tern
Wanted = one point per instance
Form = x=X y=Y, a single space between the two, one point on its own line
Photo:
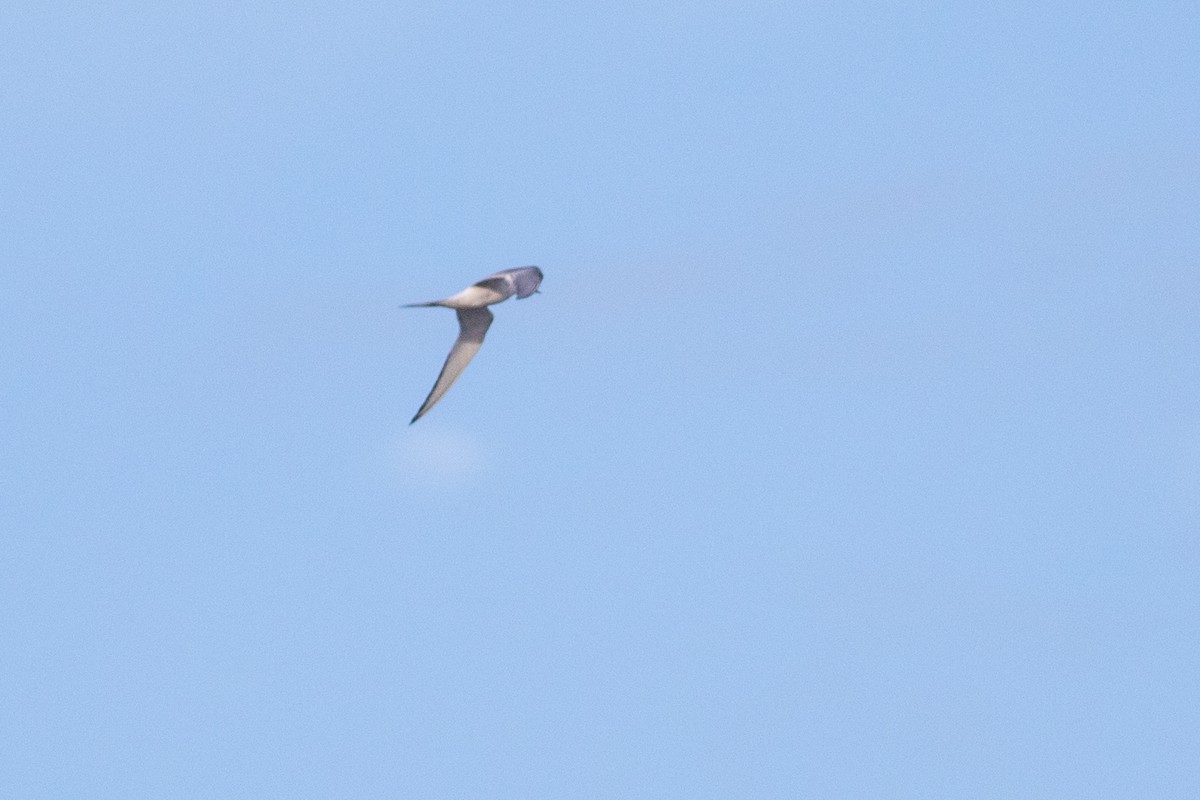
x=471 y=305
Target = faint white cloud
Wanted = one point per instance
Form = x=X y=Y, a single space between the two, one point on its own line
x=438 y=458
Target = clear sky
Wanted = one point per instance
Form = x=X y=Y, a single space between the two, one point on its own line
x=851 y=450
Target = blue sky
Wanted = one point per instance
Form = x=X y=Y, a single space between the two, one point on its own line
x=851 y=449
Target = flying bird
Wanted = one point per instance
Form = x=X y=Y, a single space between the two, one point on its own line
x=471 y=305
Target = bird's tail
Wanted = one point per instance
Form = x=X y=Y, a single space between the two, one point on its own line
x=422 y=305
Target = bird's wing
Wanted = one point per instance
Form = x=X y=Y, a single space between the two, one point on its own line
x=499 y=283
x=473 y=324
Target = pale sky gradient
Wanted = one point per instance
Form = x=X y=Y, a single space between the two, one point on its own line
x=851 y=450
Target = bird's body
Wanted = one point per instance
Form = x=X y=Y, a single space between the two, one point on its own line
x=474 y=318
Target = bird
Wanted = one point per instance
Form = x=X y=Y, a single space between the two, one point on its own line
x=474 y=318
